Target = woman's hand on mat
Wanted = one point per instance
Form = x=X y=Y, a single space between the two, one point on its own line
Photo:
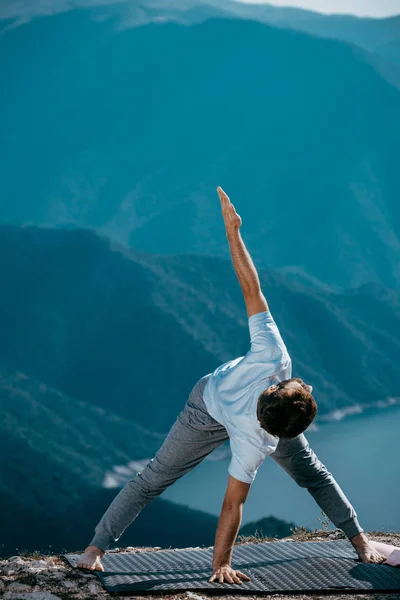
x=231 y=218
x=227 y=574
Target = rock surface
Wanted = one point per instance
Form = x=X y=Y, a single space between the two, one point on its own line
x=39 y=577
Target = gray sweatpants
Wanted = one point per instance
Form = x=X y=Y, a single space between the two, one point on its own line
x=192 y=437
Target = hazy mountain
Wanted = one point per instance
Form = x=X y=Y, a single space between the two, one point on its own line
x=378 y=35
x=268 y=527
x=80 y=316
x=82 y=438
x=130 y=131
x=132 y=333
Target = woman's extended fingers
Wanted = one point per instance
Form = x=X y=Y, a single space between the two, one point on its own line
x=228 y=574
x=231 y=218
x=223 y=196
x=240 y=574
x=225 y=202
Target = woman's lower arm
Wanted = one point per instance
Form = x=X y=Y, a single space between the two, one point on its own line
x=242 y=262
x=227 y=530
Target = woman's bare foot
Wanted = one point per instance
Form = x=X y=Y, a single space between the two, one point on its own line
x=365 y=550
x=91 y=559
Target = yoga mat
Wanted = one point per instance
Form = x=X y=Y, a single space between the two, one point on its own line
x=274 y=567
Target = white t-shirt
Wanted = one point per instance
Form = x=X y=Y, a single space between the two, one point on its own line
x=232 y=391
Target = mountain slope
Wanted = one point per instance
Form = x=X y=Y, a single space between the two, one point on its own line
x=379 y=36
x=268 y=527
x=134 y=332
x=135 y=148
x=79 y=316
x=80 y=437
x=368 y=33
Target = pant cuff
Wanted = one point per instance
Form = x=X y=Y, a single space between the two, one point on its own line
x=351 y=528
x=102 y=541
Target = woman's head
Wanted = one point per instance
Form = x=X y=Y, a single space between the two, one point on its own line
x=287 y=409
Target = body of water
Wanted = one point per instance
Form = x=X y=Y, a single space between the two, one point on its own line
x=361 y=452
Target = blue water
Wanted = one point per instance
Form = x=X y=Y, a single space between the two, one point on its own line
x=361 y=452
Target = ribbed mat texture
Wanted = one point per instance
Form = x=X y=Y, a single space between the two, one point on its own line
x=274 y=567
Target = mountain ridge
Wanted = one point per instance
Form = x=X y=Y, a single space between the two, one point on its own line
x=138 y=158
x=91 y=312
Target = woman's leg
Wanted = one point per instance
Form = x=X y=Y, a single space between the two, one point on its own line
x=302 y=464
x=192 y=437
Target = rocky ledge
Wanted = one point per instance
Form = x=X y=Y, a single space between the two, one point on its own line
x=32 y=576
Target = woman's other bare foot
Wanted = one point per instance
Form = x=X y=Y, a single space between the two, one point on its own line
x=365 y=550
x=91 y=559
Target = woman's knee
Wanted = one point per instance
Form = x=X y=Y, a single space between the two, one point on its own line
x=147 y=482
